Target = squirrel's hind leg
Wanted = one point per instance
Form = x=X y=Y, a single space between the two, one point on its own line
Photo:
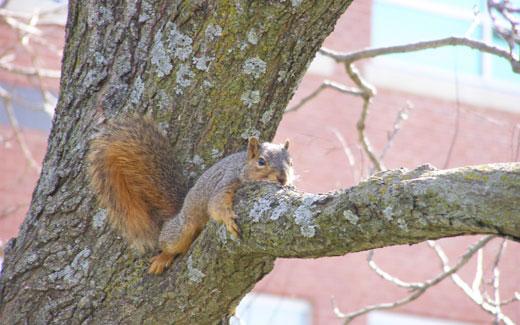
x=173 y=243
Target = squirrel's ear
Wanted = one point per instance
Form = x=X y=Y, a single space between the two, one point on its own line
x=286 y=144
x=253 y=147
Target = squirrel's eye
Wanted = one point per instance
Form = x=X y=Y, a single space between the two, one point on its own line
x=261 y=162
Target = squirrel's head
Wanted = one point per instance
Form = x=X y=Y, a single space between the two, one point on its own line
x=269 y=162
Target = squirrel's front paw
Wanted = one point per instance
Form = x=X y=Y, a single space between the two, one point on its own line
x=160 y=262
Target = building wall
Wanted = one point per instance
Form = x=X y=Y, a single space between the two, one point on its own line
x=483 y=136
x=44 y=51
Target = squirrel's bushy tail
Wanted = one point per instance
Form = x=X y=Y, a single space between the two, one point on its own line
x=133 y=173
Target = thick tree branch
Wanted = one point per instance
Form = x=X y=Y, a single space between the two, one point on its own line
x=390 y=208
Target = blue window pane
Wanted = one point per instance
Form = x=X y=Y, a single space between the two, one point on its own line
x=500 y=67
x=393 y=24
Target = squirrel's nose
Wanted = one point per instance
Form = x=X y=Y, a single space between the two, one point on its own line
x=282 y=179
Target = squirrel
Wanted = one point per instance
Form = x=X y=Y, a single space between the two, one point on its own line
x=133 y=174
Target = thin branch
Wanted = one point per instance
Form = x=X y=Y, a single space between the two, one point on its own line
x=511 y=33
x=325 y=84
x=31 y=72
x=17 y=132
x=47 y=97
x=412 y=47
x=476 y=296
x=15 y=24
x=390 y=278
x=496 y=279
x=348 y=153
x=25 y=31
x=448 y=271
x=28 y=16
x=514 y=298
x=455 y=135
x=477 y=281
x=368 y=92
x=402 y=116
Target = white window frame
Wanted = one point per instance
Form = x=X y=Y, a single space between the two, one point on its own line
x=391 y=318
x=48 y=11
x=268 y=305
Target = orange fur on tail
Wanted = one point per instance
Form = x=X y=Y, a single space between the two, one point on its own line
x=133 y=173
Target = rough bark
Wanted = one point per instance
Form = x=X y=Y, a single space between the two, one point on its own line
x=211 y=73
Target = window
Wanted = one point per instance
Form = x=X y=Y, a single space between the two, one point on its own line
x=28 y=106
x=386 y=318
x=396 y=22
x=265 y=309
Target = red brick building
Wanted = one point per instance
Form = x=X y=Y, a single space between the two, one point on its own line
x=465 y=111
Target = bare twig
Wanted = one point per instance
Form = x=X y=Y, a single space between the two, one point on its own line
x=25 y=31
x=417 y=292
x=496 y=279
x=418 y=46
x=17 y=132
x=476 y=296
x=454 y=137
x=16 y=24
x=24 y=40
x=4 y=13
x=402 y=116
x=390 y=278
x=477 y=281
x=368 y=92
x=30 y=71
x=507 y=12
x=348 y=153
x=325 y=84
x=514 y=298
x=56 y=50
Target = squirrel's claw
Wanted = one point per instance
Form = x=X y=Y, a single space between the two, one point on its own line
x=232 y=228
x=160 y=262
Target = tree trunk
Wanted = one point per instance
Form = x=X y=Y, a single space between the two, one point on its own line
x=211 y=73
